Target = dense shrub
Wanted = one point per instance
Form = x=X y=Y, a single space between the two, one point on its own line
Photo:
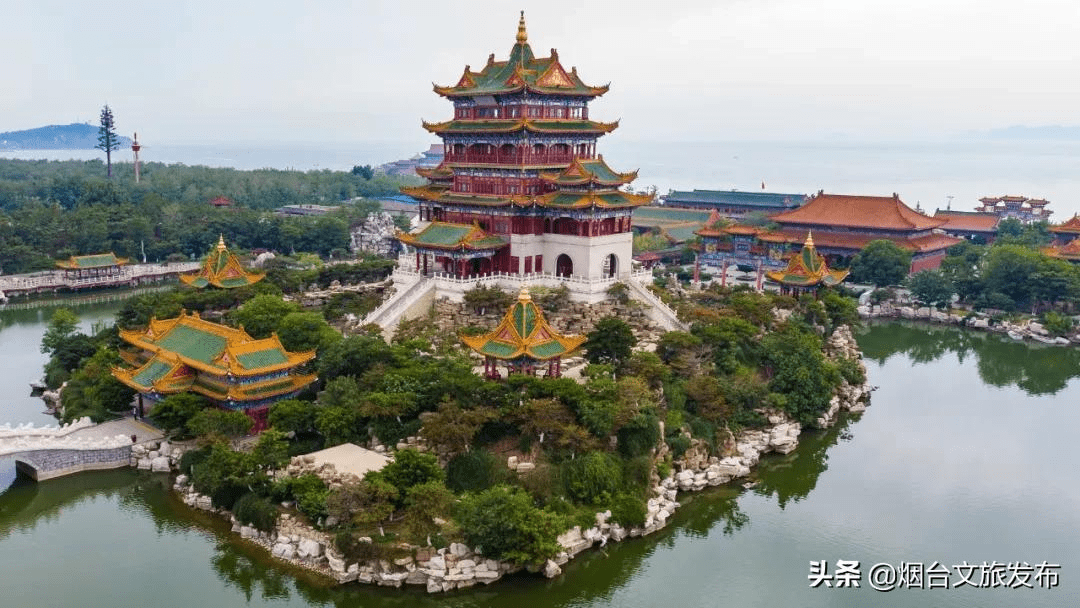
x=639 y=436
x=192 y=458
x=506 y=525
x=678 y=444
x=225 y=495
x=628 y=510
x=308 y=491
x=851 y=371
x=472 y=471
x=593 y=478
x=256 y=511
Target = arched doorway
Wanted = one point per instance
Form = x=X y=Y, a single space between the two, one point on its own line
x=611 y=266
x=564 y=266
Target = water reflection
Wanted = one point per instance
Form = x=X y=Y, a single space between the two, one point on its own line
x=791 y=477
x=1036 y=369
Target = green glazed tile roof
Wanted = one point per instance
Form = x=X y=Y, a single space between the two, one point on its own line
x=524 y=319
x=152 y=373
x=95 y=261
x=494 y=76
x=663 y=214
x=262 y=358
x=548 y=349
x=235 y=282
x=600 y=169
x=192 y=343
x=682 y=233
x=498 y=349
x=443 y=234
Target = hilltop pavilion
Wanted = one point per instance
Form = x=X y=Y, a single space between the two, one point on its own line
x=523 y=341
x=221 y=269
x=521 y=188
x=226 y=365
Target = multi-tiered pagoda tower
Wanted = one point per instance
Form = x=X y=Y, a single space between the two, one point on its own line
x=521 y=188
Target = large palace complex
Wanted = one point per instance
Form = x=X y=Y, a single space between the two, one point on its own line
x=521 y=188
x=841 y=225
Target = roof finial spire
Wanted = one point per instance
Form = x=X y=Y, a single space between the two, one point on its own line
x=809 y=240
x=221 y=242
x=522 y=37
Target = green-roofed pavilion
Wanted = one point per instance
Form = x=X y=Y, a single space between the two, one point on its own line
x=523 y=340
x=221 y=269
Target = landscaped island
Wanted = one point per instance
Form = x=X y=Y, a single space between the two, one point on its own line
x=491 y=476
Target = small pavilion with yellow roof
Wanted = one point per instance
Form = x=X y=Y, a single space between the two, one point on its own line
x=523 y=340
x=806 y=272
x=226 y=365
x=221 y=269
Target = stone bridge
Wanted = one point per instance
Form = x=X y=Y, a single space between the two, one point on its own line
x=45 y=452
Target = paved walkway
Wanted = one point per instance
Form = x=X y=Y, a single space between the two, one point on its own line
x=125 y=426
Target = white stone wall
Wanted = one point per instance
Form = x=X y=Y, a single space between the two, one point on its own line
x=587 y=253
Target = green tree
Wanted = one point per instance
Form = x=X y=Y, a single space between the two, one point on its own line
x=173 y=412
x=1011 y=270
x=214 y=422
x=293 y=415
x=411 y=468
x=108 y=140
x=366 y=503
x=931 y=287
x=304 y=331
x=882 y=263
x=261 y=315
x=423 y=503
x=342 y=391
x=62 y=326
x=453 y=427
x=801 y=375
x=505 y=524
x=611 y=342
x=271 y=450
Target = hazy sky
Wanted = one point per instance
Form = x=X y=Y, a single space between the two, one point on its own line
x=353 y=71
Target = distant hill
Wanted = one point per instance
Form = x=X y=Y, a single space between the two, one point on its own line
x=76 y=136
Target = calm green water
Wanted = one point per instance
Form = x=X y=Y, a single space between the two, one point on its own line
x=964 y=455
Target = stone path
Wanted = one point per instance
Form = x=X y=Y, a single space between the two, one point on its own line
x=125 y=426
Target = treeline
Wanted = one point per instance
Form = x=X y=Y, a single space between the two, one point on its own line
x=1012 y=274
x=50 y=210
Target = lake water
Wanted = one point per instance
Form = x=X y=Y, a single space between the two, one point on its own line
x=964 y=454
x=923 y=173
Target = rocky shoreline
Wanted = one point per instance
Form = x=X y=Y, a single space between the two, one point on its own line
x=1028 y=329
x=459 y=567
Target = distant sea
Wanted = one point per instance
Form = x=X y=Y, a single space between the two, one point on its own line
x=922 y=173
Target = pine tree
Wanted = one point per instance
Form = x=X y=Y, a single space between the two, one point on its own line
x=108 y=141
